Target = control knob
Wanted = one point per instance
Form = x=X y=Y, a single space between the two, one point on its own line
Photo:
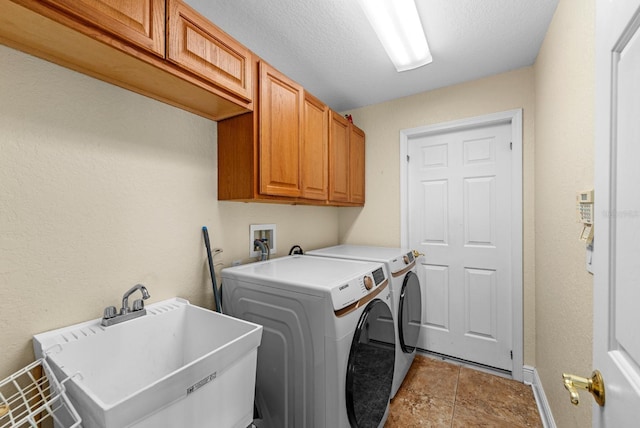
x=368 y=282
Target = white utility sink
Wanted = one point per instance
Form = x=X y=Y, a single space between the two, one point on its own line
x=177 y=366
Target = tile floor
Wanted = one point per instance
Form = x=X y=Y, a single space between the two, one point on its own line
x=439 y=394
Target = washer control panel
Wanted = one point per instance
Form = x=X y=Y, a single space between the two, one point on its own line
x=357 y=288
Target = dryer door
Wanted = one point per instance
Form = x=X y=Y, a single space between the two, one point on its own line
x=370 y=369
x=409 y=313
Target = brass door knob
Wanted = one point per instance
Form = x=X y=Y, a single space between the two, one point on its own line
x=595 y=385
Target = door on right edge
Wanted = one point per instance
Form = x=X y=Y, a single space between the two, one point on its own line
x=616 y=340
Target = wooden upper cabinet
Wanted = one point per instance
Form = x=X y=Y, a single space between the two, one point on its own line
x=315 y=149
x=141 y=22
x=346 y=162
x=356 y=161
x=280 y=105
x=196 y=44
x=339 y=152
x=123 y=42
x=291 y=149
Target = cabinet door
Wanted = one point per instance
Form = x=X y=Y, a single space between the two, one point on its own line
x=140 y=22
x=197 y=45
x=338 y=158
x=281 y=102
x=315 y=149
x=356 y=162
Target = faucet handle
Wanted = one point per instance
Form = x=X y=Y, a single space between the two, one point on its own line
x=138 y=305
x=109 y=312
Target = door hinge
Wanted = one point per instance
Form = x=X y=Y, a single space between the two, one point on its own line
x=511 y=353
x=511 y=146
x=408 y=158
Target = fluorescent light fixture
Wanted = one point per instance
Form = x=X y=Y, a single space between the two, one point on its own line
x=399 y=29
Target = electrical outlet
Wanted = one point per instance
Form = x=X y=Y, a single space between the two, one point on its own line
x=264 y=232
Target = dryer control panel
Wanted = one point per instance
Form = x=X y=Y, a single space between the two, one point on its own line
x=352 y=291
x=402 y=264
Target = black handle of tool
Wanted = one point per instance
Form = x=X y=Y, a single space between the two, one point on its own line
x=216 y=296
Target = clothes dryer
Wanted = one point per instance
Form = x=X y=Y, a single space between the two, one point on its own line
x=406 y=297
x=325 y=359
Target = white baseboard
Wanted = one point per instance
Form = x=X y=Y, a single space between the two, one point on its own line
x=530 y=377
x=528 y=374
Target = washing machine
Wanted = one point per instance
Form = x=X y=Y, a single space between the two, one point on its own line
x=325 y=359
x=406 y=297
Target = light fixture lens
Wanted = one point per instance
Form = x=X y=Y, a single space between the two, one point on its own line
x=398 y=26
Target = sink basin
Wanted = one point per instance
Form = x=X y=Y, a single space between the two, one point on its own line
x=179 y=365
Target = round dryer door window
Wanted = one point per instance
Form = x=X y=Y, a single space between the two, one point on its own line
x=370 y=367
x=410 y=313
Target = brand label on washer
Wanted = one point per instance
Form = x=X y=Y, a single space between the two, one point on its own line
x=200 y=384
x=343 y=287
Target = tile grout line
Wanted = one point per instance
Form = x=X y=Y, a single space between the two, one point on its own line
x=455 y=398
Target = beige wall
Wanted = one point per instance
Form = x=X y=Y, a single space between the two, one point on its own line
x=101 y=188
x=379 y=221
x=564 y=161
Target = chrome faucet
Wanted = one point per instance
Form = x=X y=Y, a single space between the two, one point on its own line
x=125 y=298
x=111 y=317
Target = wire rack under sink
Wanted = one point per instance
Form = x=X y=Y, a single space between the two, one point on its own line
x=32 y=396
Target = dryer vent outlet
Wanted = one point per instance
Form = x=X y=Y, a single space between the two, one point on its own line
x=264 y=232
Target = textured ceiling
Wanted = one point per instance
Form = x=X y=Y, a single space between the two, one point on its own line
x=329 y=47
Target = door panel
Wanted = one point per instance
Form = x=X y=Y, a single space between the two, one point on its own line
x=338 y=158
x=139 y=22
x=435 y=204
x=617 y=221
x=459 y=191
x=315 y=149
x=356 y=165
x=480 y=205
x=627 y=250
x=480 y=303
x=197 y=45
x=281 y=104
x=436 y=296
